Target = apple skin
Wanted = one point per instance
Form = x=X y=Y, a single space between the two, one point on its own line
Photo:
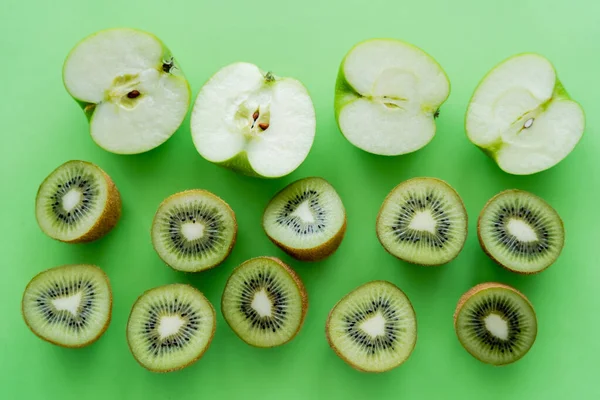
x=89 y=108
x=492 y=149
x=345 y=93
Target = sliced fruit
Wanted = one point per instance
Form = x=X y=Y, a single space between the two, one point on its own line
x=520 y=231
x=387 y=95
x=194 y=230
x=306 y=219
x=253 y=122
x=495 y=323
x=423 y=221
x=130 y=88
x=170 y=327
x=373 y=328
x=522 y=116
x=70 y=305
x=264 y=302
x=77 y=202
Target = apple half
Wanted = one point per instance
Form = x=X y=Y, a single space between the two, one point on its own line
x=129 y=86
x=522 y=117
x=387 y=96
x=253 y=122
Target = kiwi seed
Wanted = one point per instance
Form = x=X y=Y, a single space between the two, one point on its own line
x=495 y=323
x=69 y=306
x=78 y=202
x=521 y=232
x=306 y=219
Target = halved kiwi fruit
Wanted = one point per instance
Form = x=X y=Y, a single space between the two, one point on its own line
x=170 y=327
x=373 y=328
x=264 y=302
x=194 y=230
x=70 y=305
x=306 y=219
x=77 y=202
x=520 y=231
x=423 y=221
x=495 y=323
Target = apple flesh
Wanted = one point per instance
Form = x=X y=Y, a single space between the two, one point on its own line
x=129 y=86
x=387 y=96
x=253 y=122
x=522 y=117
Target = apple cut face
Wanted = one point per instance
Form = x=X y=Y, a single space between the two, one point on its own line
x=388 y=94
x=253 y=122
x=522 y=117
x=130 y=87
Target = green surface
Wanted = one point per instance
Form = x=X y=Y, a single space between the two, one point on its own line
x=43 y=127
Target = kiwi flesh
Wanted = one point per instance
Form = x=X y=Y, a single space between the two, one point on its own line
x=264 y=302
x=78 y=202
x=306 y=219
x=521 y=232
x=423 y=221
x=69 y=305
x=373 y=328
x=495 y=323
x=170 y=327
x=194 y=230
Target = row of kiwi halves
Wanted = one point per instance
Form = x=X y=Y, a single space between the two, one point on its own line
x=373 y=328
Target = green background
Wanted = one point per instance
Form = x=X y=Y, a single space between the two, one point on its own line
x=42 y=127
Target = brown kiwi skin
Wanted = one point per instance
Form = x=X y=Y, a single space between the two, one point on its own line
x=209 y=194
x=299 y=285
x=199 y=356
x=479 y=288
x=100 y=333
x=318 y=253
x=110 y=215
x=340 y=355
x=484 y=247
x=461 y=203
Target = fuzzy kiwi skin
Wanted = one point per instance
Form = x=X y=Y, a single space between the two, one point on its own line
x=461 y=203
x=299 y=285
x=77 y=346
x=109 y=217
x=484 y=247
x=210 y=194
x=212 y=334
x=340 y=355
x=318 y=253
x=479 y=288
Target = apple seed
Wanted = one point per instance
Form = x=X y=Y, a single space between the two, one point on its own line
x=133 y=94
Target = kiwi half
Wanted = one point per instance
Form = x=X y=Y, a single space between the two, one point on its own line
x=77 y=202
x=70 y=305
x=170 y=327
x=373 y=328
x=264 y=302
x=423 y=221
x=306 y=219
x=495 y=323
x=520 y=231
x=194 y=230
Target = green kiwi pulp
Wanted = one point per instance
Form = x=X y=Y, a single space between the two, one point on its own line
x=423 y=221
x=170 y=327
x=306 y=219
x=521 y=232
x=495 y=323
x=373 y=328
x=264 y=302
x=77 y=202
x=194 y=230
x=69 y=305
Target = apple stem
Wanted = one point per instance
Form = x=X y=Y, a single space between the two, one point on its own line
x=133 y=94
x=269 y=77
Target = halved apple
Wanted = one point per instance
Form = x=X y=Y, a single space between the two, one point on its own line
x=522 y=117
